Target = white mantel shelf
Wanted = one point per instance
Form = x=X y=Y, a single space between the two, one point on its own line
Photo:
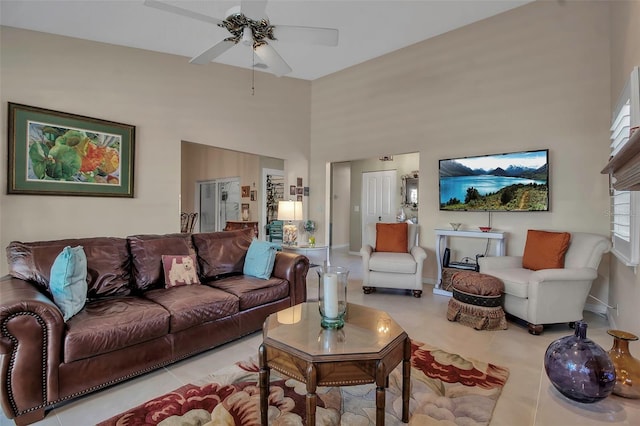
x=442 y=237
x=471 y=234
x=625 y=165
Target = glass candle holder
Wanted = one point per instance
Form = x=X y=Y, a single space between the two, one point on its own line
x=330 y=340
x=332 y=295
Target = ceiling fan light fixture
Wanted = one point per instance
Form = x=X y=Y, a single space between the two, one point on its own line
x=257 y=32
x=247 y=36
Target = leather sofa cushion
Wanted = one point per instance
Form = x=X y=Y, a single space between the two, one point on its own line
x=108 y=325
x=222 y=253
x=146 y=257
x=107 y=263
x=193 y=305
x=253 y=291
x=401 y=263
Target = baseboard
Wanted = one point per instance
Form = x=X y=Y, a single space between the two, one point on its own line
x=355 y=253
x=339 y=246
x=596 y=309
x=611 y=317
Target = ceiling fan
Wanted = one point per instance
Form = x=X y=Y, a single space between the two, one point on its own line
x=249 y=25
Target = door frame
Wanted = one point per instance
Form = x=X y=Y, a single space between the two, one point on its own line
x=196 y=198
x=263 y=196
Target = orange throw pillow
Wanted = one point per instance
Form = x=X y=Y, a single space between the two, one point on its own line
x=545 y=250
x=391 y=237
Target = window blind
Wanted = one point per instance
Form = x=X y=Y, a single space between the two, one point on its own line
x=624 y=169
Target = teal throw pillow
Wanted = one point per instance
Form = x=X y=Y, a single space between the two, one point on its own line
x=260 y=259
x=68 y=281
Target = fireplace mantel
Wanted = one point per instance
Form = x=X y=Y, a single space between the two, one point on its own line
x=625 y=165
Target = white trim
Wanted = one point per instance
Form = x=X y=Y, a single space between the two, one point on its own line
x=339 y=246
x=263 y=196
x=595 y=308
x=625 y=216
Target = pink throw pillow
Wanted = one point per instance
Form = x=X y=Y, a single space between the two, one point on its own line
x=180 y=270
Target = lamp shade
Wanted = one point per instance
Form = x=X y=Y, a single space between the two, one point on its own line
x=289 y=210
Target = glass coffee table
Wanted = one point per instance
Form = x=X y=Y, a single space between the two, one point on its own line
x=366 y=350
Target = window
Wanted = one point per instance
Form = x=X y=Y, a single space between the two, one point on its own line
x=625 y=205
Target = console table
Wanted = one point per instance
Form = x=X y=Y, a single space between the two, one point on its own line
x=318 y=255
x=233 y=225
x=442 y=240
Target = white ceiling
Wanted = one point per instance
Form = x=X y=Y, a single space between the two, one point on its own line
x=368 y=28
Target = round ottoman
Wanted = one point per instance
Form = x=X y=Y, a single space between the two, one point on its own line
x=477 y=301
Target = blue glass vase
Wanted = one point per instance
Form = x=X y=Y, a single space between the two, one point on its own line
x=579 y=368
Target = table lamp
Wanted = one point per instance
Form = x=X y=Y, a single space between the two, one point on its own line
x=289 y=211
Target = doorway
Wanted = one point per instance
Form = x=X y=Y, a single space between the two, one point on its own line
x=273 y=192
x=217 y=201
x=351 y=185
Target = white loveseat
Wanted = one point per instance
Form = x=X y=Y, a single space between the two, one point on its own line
x=550 y=296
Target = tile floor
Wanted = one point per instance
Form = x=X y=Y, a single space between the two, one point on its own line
x=528 y=397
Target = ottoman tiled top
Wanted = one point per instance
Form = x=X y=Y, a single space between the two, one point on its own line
x=476 y=283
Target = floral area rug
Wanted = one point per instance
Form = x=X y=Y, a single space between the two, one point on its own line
x=446 y=389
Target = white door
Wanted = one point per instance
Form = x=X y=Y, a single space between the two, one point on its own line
x=206 y=207
x=379 y=197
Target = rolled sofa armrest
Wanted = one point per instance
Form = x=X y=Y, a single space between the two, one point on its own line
x=499 y=262
x=563 y=275
x=31 y=330
x=365 y=252
x=293 y=268
x=559 y=295
x=418 y=253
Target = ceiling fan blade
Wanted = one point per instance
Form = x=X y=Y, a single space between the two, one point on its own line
x=309 y=35
x=254 y=9
x=180 y=11
x=273 y=60
x=213 y=52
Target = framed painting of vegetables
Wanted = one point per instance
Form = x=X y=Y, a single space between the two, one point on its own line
x=56 y=153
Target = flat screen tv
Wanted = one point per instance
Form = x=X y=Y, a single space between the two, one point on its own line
x=515 y=182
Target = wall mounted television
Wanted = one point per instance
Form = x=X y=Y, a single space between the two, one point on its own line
x=514 y=182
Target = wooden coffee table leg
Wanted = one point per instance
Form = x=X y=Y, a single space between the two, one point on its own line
x=311 y=394
x=264 y=385
x=381 y=380
x=406 y=380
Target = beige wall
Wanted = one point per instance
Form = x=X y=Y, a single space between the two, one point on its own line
x=625 y=54
x=532 y=78
x=167 y=99
x=340 y=204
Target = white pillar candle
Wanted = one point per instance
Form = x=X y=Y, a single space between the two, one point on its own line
x=330 y=295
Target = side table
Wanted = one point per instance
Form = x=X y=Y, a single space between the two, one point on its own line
x=372 y=344
x=442 y=236
x=318 y=254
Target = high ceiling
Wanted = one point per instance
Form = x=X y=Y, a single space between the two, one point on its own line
x=368 y=28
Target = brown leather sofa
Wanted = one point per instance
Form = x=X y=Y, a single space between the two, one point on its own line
x=130 y=324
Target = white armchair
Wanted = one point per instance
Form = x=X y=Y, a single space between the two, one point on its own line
x=392 y=270
x=550 y=296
